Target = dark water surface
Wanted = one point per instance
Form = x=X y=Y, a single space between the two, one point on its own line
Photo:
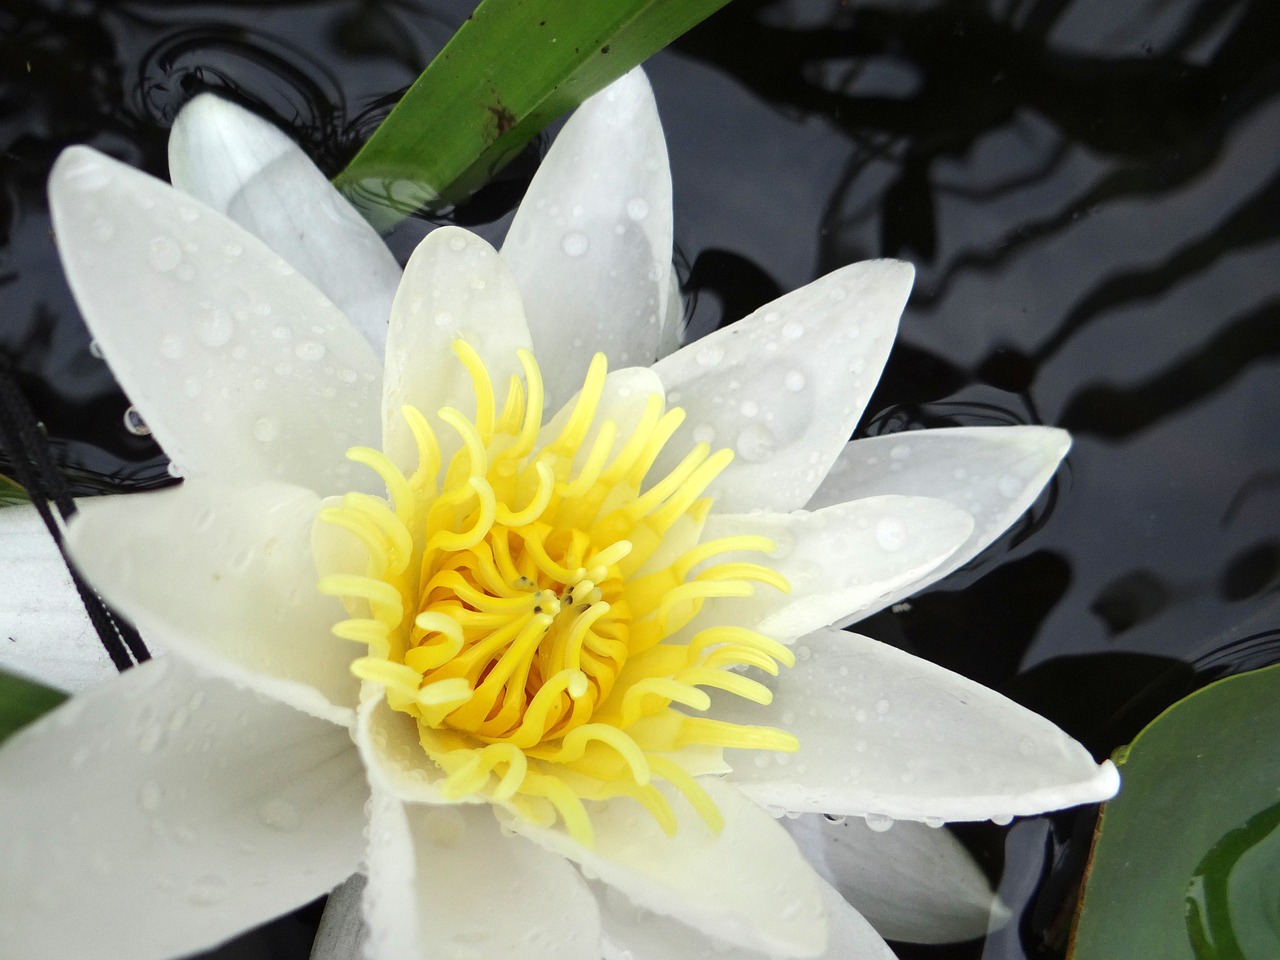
x=1090 y=191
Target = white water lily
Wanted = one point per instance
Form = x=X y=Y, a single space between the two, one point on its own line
x=591 y=655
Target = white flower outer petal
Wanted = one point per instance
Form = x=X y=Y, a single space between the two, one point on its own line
x=888 y=734
x=590 y=245
x=995 y=473
x=913 y=883
x=243 y=167
x=223 y=576
x=45 y=633
x=747 y=886
x=785 y=386
x=455 y=286
x=634 y=934
x=671 y=336
x=161 y=813
x=242 y=369
x=342 y=933
x=839 y=560
x=445 y=881
x=393 y=755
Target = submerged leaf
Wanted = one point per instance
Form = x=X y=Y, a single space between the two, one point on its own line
x=1186 y=864
x=512 y=68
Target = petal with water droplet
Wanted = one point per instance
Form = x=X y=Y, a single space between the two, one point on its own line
x=223 y=576
x=631 y=933
x=445 y=881
x=132 y=817
x=242 y=166
x=236 y=317
x=455 y=287
x=838 y=560
x=883 y=732
x=995 y=473
x=590 y=245
x=785 y=386
x=747 y=885
x=47 y=635
x=913 y=883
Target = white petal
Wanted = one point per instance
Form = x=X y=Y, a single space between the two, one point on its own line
x=995 y=473
x=392 y=752
x=163 y=812
x=631 y=933
x=623 y=400
x=913 y=883
x=455 y=286
x=223 y=576
x=341 y=934
x=785 y=386
x=839 y=560
x=44 y=631
x=747 y=886
x=245 y=168
x=242 y=369
x=447 y=882
x=591 y=243
x=886 y=734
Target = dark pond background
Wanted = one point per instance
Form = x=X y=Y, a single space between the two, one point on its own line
x=1090 y=191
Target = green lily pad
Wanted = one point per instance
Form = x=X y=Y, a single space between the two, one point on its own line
x=1186 y=861
x=512 y=68
x=12 y=493
x=22 y=701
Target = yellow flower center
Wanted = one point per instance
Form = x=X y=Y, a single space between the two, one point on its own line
x=527 y=604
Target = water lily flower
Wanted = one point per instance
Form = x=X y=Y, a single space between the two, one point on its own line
x=530 y=621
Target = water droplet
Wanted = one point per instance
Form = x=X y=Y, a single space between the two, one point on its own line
x=1026 y=747
x=458 y=242
x=265 y=429
x=280 y=814
x=637 y=208
x=794 y=381
x=309 y=350
x=709 y=354
x=149 y=796
x=188 y=214
x=1002 y=819
x=934 y=823
x=95 y=349
x=164 y=254
x=755 y=443
x=191 y=387
x=134 y=423
x=444 y=826
x=175 y=470
x=208 y=891
x=102 y=230
x=749 y=408
x=900 y=452
x=878 y=822
x=891 y=534
x=882 y=707
x=348 y=375
x=575 y=244
x=834 y=817
x=793 y=330
x=214 y=327
x=1009 y=486
x=232 y=249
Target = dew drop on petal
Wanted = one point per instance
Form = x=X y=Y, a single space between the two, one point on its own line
x=934 y=823
x=458 y=242
x=134 y=423
x=891 y=534
x=637 y=208
x=1002 y=819
x=208 y=891
x=1009 y=486
x=575 y=243
x=878 y=822
x=280 y=814
x=794 y=381
x=709 y=354
x=793 y=330
x=309 y=350
x=95 y=349
x=265 y=429
x=755 y=443
x=171 y=346
x=214 y=328
x=102 y=230
x=164 y=254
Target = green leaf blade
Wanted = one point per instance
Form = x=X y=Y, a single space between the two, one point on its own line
x=512 y=68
